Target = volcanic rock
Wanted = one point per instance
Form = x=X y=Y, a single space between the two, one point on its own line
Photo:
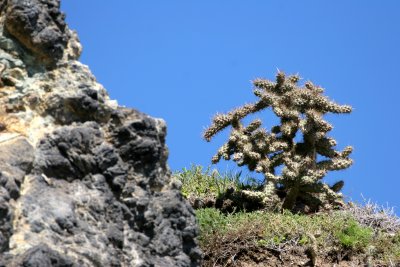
x=83 y=181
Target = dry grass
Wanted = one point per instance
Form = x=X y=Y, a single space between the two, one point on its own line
x=378 y=217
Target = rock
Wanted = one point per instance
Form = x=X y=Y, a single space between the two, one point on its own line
x=42 y=256
x=83 y=181
x=39 y=26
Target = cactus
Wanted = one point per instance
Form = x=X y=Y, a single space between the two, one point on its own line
x=301 y=110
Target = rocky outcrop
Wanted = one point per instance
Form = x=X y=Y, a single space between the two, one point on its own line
x=83 y=181
x=39 y=26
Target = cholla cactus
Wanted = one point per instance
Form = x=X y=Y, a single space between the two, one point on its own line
x=300 y=110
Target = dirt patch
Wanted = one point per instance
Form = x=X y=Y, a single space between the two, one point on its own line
x=244 y=247
x=256 y=256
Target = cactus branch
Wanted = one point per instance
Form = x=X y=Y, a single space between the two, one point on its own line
x=300 y=110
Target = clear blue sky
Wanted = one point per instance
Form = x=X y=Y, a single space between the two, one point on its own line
x=185 y=60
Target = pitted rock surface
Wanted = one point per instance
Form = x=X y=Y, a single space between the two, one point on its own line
x=39 y=26
x=83 y=181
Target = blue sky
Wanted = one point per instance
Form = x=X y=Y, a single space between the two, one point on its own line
x=185 y=60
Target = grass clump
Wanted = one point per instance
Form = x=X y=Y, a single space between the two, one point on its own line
x=211 y=221
x=201 y=182
x=204 y=187
x=205 y=182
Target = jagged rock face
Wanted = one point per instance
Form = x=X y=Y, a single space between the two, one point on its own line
x=83 y=181
x=39 y=26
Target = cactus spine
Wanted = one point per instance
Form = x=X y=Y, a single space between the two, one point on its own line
x=301 y=110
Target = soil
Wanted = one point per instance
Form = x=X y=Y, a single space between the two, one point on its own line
x=259 y=257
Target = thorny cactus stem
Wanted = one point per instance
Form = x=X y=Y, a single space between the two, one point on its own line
x=300 y=110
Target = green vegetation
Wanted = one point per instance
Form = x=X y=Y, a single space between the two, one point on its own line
x=332 y=237
x=211 y=188
x=354 y=236
x=357 y=234
x=200 y=182
x=300 y=109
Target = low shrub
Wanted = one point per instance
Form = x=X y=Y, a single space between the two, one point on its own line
x=354 y=236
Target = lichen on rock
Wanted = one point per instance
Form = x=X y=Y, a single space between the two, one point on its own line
x=83 y=181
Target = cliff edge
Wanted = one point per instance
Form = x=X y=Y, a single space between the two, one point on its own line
x=83 y=181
